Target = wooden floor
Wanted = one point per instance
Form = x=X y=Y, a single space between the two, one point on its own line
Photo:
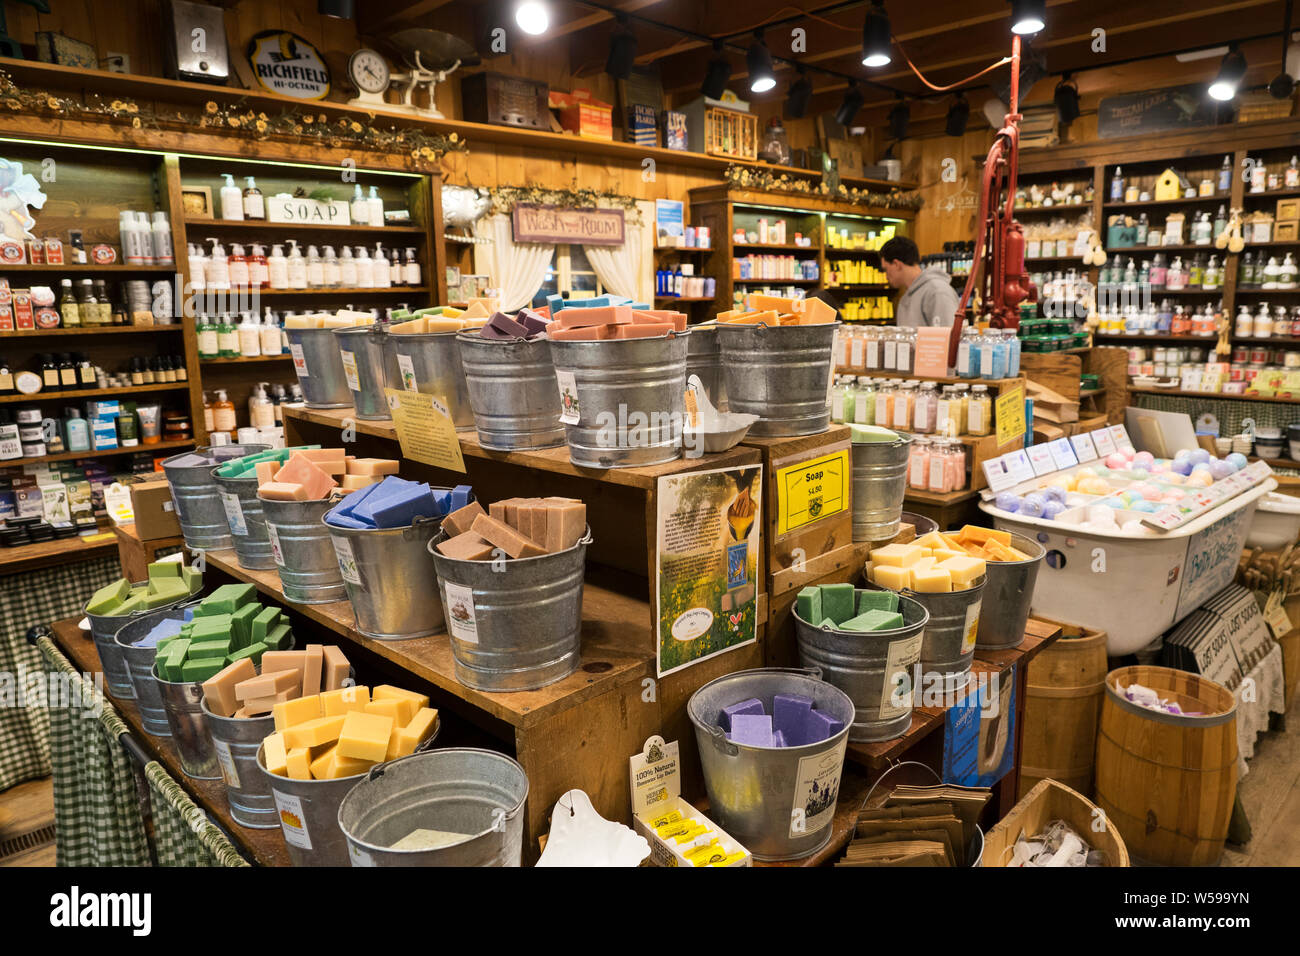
x=27 y=821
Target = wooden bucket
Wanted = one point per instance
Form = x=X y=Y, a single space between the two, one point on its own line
x=1048 y=801
x=1168 y=782
x=1063 y=692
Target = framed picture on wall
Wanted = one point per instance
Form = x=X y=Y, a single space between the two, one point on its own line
x=196 y=201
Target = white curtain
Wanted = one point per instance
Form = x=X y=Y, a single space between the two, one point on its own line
x=517 y=269
x=626 y=269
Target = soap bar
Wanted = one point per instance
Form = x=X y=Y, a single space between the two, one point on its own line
x=357 y=482
x=469 y=546
x=532 y=519
x=209 y=650
x=964 y=571
x=320 y=766
x=391 y=709
x=860 y=434
x=643 y=331
x=336 y=668
x=874 y=620
x=365 y=736
x=227 y=598
x=197 y=671
x=314 y=666
x=582 y=334
x=298 y=764
x=373 y=466
x=409 y=702
x=752 y=706
x=265 y=471
x=596 y=315
x=313 y=733
x=263 y=621
x=417 y=730
x=290 y=713
x=838 y=602
x=300 y=470
x=343 y=700
x=790 y=718
x=877 y=601
x=275 y=755
x=460 y=520
x=506 y=538
x=252 y=652
x=566 y=523
x=755 y=730
x=931 y=582
x=292 y=661
x=350 y=503
x=809 y=604
x=822 y=727
x=897 y=555
x=268 y=684
x=241 y=625
x=219 y=689
x=891 y=577
x=106 y=599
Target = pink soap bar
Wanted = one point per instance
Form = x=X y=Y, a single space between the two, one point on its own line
x=219 y=689
x=374 y=466
x=584 y=334
x=599 y=315
x=652 y=316
x=643 y=331
x=284 y=491
x=266 y=472
x=303 y=471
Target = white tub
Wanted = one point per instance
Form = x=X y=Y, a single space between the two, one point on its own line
x=1276 y=524
x=1134 y=582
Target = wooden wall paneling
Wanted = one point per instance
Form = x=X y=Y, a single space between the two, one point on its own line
x=171 y=174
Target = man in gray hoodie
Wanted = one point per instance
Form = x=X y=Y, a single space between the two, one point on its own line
x=928 y=296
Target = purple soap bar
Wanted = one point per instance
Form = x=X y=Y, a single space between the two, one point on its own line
x=189 y=461
x=778 y=739
x=530 y=320
x=503 y=323
x=390 y=487
x=752 y=729
x=460 y=496
x=751 y=706
x=442 y=501
x=822 y=727
x=492 y=332
x=790 y=716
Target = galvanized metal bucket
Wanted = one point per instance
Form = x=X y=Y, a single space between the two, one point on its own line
x=247 y=523
x=319 y=366
x=514 y=625
x=139 y=664
x=369 y=366
x=874 y=668
x=704 y=358
x=308 y=812
x=387 y=575
x=103 y=631
x=921 y=523
x=477 y=794
x=630 y=398
x=512 y=391
x=1010 y=589
x=949 y=646
x=777 y=801
x=237 y=742
x=780 y=374
x=879 y=483
x=429 y=362
x=302 y=551
x=182 y=703
x=199 y=507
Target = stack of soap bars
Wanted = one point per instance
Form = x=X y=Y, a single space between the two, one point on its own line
x=441 y=318
x=228 y=626
x=939 y=561
x=239 y=690
x=794 y=722
x=526 y=324
x=396 y=503
x=590 y=323
x=310 y=474
x=169 y=581
x=519 y=527
x=209 y=456
x=342 y=319
x=846 y=608
x=344 y=732
x=778 y=310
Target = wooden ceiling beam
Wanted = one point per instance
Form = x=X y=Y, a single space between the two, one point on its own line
x=395 y=15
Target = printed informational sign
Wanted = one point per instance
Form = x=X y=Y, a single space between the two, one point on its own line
x=707 y=538
x=424 y=429
x=1010 y=415
x=287 y=64
x=555 y=224
x=670 y=222
x=1154 y=111
x=980 y=731
x=1084 y=449
x=1212 y=560
x=811 y=490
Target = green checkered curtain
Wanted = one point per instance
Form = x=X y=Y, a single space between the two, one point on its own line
x=97 y=810
x=1229 y=412
x=183 y=835
x=37 y=597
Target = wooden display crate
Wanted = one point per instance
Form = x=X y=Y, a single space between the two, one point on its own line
x=839 y=566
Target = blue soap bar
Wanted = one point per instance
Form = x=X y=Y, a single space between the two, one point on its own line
x=555 y=303
x=822 y=727
x=595 y=302
x=345 y=521
x=390 y=488
x=790 y=716
x=641 y=305
x=752 y=729
x=778 y=739
x=349 y=504
x=189 y=614
x=164 y=628
x=442 y=501
x=460 y=496
x=400 y=509
x=751 y=706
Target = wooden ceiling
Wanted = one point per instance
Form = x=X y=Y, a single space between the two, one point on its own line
x=949 y=40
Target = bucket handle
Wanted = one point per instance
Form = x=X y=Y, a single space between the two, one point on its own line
x=721 y=742
x=892 y=767
x=417 y=527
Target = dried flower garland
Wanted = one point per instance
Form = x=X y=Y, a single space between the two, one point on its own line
x=504 y=199
x=750 y=177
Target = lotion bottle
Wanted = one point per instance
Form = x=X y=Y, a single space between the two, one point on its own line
x=375 y=213
x=297 y=267
x=277 y=268
x=315 y=269
x=250 y=336
x=365 y=269
x=270 y=334
x=259 y=276
x=411 y=271
x=144 y=239
x=237 y=263
x=217 y=272
x=360 y=207
x=198 y=265
x=163 y=252
x=232 y=200
x=254 y=204
x=330 y=266
x=379 y=267
x=347 y=269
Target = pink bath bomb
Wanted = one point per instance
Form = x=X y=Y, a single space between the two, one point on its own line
x=1116 y=461
x=1144 y=459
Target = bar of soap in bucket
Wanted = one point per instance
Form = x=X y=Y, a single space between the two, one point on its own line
x=752 y=729
x=462 y=519
x=837 y=602
x=874 y=620
x=424 y=839
x=897 y=555
x=871 y=433
x=468 y=546
x=822 y=727
x=963 y=570
x=809 y=604
x=877 y=601
x=509 y=540
x=790 y=717
x=753 y=706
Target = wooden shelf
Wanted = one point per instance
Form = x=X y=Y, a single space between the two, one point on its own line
x=387 y=290
x=685 y=298
x=94 y=392
x=105 y=453
x=704 y=249
x=121 y=268
x=1256 y=290
x=1198 y=200
x=781 y=247
x=245 y=359
x=1191 y=339
x=776 y=281
x=851 y=252
x=935 y=498
x=1271 y=194
x=1276 y=462
x=1275 y=244
x=1271 y=340
x=1212 y=396
x=263 y=225
x=1031 y=260
x=1152 y=250
x=26 y=557
x=1064 y=207
x=93 y=330
x=993 y=383
x=616 y=639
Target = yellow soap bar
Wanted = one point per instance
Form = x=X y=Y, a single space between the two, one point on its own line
x=978 y=535
x=435 y=323
x=932 y=540
x=287 y=713
x=345 y=321
x=302 y=321
x=334 y=703
x=298 y=763
x=365 y=736
x=477 y=310
x=387 y=708
x=943 y=554
x=888 y=576
x=313 y=733
x=275 y=755
x=933 y=581
x=475 y=323
x=897 y=555
x=410 y=701
x=964 y=570
x=420 y=727
x=414 y=326
x=342 y=766
x=450 y=313
x=320 y=766
x=924 y=563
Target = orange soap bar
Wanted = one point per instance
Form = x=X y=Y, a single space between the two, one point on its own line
x=508 y=539
x=303 y=471
x=500 y=509
x=298 y=711
x=298 y=763
x=334 y=703
x=373 y=466
x=313 y=733
x=336 y=668
x=284 y=491
x=600 y=315
x=420 y=727
x=219 y=689
x=408 y=701
x=776 y=303
x=469 y=546
x=651 y=316
x=583 y=334
x=643 y=331
x=460 y=520
x=265 y=471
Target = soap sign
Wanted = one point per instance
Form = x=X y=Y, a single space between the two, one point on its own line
x=285 y=63
x=303 y=211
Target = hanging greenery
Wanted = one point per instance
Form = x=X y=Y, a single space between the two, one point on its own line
x=504 y=199
x=750 y=177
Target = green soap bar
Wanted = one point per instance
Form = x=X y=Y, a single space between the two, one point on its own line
x=228 y=598
x=877 y=601
x=254 y=651
x=132 y=604
x=874 y=621
x=871 y=433
x=207 y=628
x=827 y=622
x=170 y=666
x=193 y=579
x=164 y=569
x=161 y=599
x=201 y=670
x=208 y=649
x=264 y=621
x=837 y=602
x=809 y=604
x=241 y=624
x=173 y=586
x=280 y=637
x=109 y=597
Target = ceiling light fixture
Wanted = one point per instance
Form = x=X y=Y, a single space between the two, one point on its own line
x=533 y=17
x=876 y=37
x=717 y=75
x=762 y=76
x=1028 y=16
x=1066 y=98
x=899 y=117
x=796 y=100
x=958 y=116
x=849 y=107
x=1231 y=72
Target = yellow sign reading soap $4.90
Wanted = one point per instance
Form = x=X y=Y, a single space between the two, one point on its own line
x=810 y=490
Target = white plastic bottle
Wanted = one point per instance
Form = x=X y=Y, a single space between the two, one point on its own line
x=330 y=266
x=250 y=336
x=270 y=334
x=277 y=268
x=164 y=253
x=232 y=200
x=254 y=203
x=131 y=252
x=365 y=269
x=379 y=267
x=297 y=267
x=411 y=271
x=315 y=269
x=347 y=269
x=237 y=264
x=376 y=212
x=144 y=238
x=198 y=267
x=259 y=276
x=217 y=272
x=360 y=207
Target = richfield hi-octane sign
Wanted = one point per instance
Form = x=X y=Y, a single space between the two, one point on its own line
x=287 y=64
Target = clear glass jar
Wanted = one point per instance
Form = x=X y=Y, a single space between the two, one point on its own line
x=918 y=464
x=961 y=407
x=864 y=401
x=885 y=405
x=838 y=403
x=889 y=349
x=904 y=406
x=873 y=341
x=957 y=465
x=967 y=359
x=925 y=414
x=1013 y=353
x=906 y=350
x=979 y=420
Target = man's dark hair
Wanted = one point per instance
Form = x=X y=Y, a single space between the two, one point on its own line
x=901 y=249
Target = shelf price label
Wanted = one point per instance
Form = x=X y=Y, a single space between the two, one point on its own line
x=1010 y=415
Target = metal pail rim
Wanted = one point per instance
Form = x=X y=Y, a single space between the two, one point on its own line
x=889 y=633
x=732 y=749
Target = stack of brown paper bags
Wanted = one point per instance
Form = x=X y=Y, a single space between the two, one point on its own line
x=918 y=826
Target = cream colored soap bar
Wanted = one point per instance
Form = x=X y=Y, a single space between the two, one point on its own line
x=365 y=736
x=932 y=540
x=374 y=466
x=964 y=571
x=888 y=576
x=409 y=701
x=897 y=555
x=932 y=582
x=313 y=733
x=413 y=327
x=923 y=564
x=435 y=324
x=274 y=754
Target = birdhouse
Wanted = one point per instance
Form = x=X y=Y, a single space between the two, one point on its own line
x=1168 y=185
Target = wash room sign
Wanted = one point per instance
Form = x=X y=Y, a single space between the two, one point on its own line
x=557 y=224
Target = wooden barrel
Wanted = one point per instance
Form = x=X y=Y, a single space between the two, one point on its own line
x=1064 y=688
x=1168 y=782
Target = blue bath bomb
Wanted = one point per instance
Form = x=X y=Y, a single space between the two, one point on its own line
x=1199 y=456
x=1054 y=493
x=1181 y=466
x=1032 y=505
x=1113 y=503
x=1052 y=509
x=1237 y=460
x=1007 y=501
x=1221 y=469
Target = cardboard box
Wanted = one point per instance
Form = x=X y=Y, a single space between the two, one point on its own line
x=583 y=114
x=1288 y=210
x=1286 y=231
x=155 y=512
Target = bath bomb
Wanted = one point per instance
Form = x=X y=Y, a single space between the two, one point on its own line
x=1101 y=516
x=1114 y=504
x=1007 y=501
x=1052 y=509
x=1199 y=456
x=1147 y=507
x=1175 y=478
x=1094 y=486
x=1201 y=466
x=1144 y=459
x=1221 y=469
x=1032 y=505
x=1116 y=461
x=1150 y=492
x=1237 y=460
x=1138 y=474
x=1054 y=492
x=1201 y=479
x=1182 y=453
x=1181 y=466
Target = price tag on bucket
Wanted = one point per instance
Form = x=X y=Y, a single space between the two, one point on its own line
x=350 y=369
x=299 y=362
x=234 y=514
x=407 y=369
x=274 y=537
x=460 y=613
x=229 y=772
x=570 y=409
x=347 y=561
x=293 y=821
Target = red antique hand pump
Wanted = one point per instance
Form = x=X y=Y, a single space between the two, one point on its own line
x=1000 y=243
